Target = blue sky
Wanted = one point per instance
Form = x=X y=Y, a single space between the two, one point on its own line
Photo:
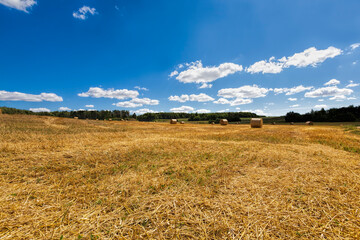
x=270 y=57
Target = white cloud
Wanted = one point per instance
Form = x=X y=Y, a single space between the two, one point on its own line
x=89 y=106
x=224 y=110
x=309 y=57
x=222 y=101
x=332 y=91
x=184 y=109
x=203 y=111
x=64 y=109
x=174 y=73
x=196 y=73
x=39 y=110
x=120 y=94
x=240 y=101
x=18 y=96
x=141 y=88
x=206 y=85
x=294 y=106
x=292 y=99
x=320 y=106
x=257 y=111
x=143 y=111
x=22 y=5
x=292 y=91
x=127 y=104
x=332 y=82
x=235 y=102
x=246 y=91
x=354 y=46
x=202 y=97
x=321 y=100
x=83 y=12
x=265 y=66
x=137 y=102
x=352 y=84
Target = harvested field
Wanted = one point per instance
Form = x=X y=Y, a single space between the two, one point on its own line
x=67 y=179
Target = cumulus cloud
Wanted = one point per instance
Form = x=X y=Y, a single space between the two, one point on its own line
x=224 y=110
x=174 y=73
x=184 y=109
x=197 y=73
x=234 y=102
x=292 y=99
x=120 y=94
x=64 y=109
x=257 y=111
x=203 y=111
x=222 y=101
x=22 y=5
x=294 y=106
x=352 y=84
x=206 y=85
x=89 y=106
x=320 y=106
x=141 y=88
x=309 y=57
x=18 y=96
x=354 y=46
x=202 y=97
x=83 y=12
x=246 y=91
x=39 y=110
x=292 y=91
x=332 y=82
x=333 y=91
x=137 y=102
x=241 y=95
x=143 y=111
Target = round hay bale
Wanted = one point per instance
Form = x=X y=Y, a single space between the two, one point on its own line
x=173 y=121
x=309 y=123
x=256 y=123
x=273 y=123
x=212 y=123
x=224 y=122
x=292 y=123
x=76 y=117
x=110 y=119
x=182 y=122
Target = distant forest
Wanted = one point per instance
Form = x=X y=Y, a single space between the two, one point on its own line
x=101 y=115
x=210 y=117
x=344 y=114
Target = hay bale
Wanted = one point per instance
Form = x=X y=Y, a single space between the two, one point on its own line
x=182 y=122
x=213 y=123
x=173 y=121
x=292 y=123
x=224 y=122
x=76 y=117
x=110 y=119
x=273 y=123
x=309 y=123
x=256 y=123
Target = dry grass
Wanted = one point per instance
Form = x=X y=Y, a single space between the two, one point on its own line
x=67 y=179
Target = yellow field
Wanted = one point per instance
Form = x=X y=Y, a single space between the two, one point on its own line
x=67 y=179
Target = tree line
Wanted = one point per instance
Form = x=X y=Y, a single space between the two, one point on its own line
x=101 y=115
x=344 y=114
x=210 y=117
